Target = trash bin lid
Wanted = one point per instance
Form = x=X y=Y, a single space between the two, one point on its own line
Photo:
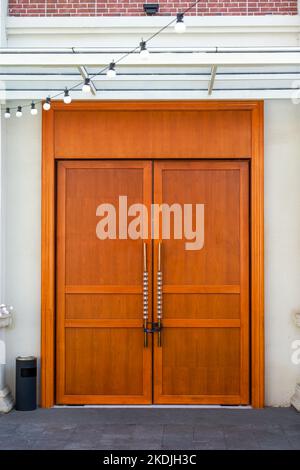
x=26 y=358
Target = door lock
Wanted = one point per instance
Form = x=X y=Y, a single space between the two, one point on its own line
x=155 y=327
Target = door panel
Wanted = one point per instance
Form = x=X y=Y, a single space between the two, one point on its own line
x=104 y=361
x=219 y=191
x=201 y=306
x=86 y=188
x=200 y=361
x=100 y=353
x=204 y=355
x=108 y=306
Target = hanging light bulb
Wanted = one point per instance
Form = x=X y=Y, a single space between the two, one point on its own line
x=86 y=87
x=180 y=26
x=111 y=72
x=47 y=104
x=33 y=110
x=19 y=112
x=7 y=113
x=144 y=53
x=67 y=97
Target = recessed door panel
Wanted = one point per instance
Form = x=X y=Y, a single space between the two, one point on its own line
x=104 y=361
x=201 y=361
x=218 y=191
x=201 y=306
x=103 y=306
x=100 y=262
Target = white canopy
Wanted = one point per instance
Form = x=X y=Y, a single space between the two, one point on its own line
x=217 y=58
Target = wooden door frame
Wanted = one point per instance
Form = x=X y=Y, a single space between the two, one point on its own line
x=256 y=159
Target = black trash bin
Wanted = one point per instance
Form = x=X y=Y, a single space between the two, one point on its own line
x=26 y=367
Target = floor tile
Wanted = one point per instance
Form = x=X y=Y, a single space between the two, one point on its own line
x=151 y=429
x=240 y=438
x=209 y=437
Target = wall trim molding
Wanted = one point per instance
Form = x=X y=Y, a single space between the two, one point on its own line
x=127 y=25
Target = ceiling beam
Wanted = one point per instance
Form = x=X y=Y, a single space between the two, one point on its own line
x=140 y=76
x=195 y=58
x=168 y=93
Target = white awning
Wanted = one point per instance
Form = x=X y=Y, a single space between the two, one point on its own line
x=253 y=68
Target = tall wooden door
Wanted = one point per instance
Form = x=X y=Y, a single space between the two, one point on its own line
x=204 y=352
x=100 y=353
x=200 y=296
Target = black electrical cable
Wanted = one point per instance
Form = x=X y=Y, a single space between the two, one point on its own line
x=104 y=69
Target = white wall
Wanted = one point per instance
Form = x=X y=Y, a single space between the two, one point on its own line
x=3 y=9
x=282 y=246
x=282 y=240
x=22 y=237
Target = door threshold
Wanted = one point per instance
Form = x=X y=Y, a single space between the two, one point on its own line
x=234 y=407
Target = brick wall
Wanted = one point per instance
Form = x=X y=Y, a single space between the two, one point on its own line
x=135 y=7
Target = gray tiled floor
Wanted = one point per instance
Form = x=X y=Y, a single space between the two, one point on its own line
x=155 y=428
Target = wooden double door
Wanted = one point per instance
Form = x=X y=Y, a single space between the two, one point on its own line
x=107 y=288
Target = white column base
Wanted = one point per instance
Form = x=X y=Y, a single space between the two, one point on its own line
x=6 y=400
x=295 y=400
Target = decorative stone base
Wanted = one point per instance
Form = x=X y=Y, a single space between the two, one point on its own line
x=6 y=400
x=295 y=401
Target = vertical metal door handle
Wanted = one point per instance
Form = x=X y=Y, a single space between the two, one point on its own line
x=159 y=306
x=145 y=294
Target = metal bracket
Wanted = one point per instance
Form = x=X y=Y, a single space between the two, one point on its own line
x=84 y=73
x=213 y=74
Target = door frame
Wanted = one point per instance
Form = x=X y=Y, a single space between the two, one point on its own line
x=49 y=158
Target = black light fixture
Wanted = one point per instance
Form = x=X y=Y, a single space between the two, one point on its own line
x=86 y=88
x=144 y=53
x=47 y=104
x=111 y=71
x=19 y=112
x=180 y=24
x=151 y=8
x=33 y=109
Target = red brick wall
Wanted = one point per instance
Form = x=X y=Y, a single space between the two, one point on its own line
x=135 y=7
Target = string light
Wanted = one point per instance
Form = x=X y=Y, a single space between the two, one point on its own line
x=47 y=104
x=19 y=112
x=179 y=27
x=33 y=110
x=144 y=53
x=86 y=86
x=67 y=97
x=111 y=72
